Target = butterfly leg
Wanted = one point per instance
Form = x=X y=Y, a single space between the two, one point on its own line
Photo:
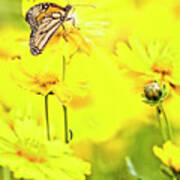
x=63 y=27
x=65 y=38
x=73 y=22
x=64 y=34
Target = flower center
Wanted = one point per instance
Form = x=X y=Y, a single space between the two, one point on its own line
x=46 y=80
x=162 y=68
x=32 y=150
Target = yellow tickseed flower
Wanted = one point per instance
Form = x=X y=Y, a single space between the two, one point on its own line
x=29 y=155
x=147 y=62
x=46 y=77
x=39 y=74
x=88 y=25
x=169 y=154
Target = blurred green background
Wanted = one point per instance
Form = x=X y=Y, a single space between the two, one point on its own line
x=10 y=13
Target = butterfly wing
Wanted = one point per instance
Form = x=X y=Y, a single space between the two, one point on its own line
x=44 y=20
x=40 y=36
x=40 y=10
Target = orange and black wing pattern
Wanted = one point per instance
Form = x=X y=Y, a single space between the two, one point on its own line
x=44 y=20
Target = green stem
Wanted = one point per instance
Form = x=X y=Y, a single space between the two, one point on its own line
x=66 y=130
x=174 y=178
x=47 y=118
x=168 y=124
x=6 y=174
x=163 y=132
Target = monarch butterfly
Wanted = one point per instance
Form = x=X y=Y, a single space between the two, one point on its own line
x=44 y=20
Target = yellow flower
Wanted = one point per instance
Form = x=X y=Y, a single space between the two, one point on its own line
x=42 y=74
x=29 y=155
x=146 y=62
x=46 y=77
x=169 y=154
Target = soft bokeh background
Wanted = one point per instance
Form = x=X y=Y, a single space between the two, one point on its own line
x=117 y=133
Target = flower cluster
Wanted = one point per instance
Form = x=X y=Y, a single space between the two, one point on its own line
x=31 y=156
x=81 y=69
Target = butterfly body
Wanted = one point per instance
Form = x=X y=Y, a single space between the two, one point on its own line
x=44 y=20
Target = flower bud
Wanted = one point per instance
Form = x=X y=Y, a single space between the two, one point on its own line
x=153 y=91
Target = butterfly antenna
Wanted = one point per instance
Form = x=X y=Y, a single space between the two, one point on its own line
x=84 y=5
x=73 y=10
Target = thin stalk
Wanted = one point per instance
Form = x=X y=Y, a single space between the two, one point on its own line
x=6 y=174
x=168 y=123
x=47 y=118
x=175 y=176
x=163 y=132
x=66 y=130
x=68 y=134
